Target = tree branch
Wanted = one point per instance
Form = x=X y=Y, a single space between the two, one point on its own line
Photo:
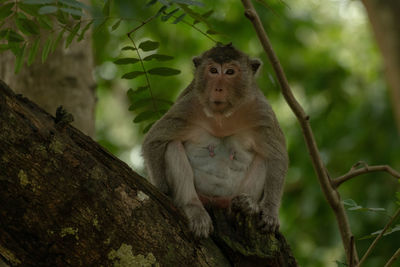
x=393 y=258
x=329 y=191
x=353 y=172
x=372 y=246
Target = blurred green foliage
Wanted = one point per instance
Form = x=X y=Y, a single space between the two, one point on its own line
x=335 y=71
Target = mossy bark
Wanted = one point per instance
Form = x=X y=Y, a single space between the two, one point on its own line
x=65 y=201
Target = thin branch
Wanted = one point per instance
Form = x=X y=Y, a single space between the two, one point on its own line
x=372 y=246
x=144 y=70
x=351 y=251
x=329 y=191
x=393 y=258
x=353 y=172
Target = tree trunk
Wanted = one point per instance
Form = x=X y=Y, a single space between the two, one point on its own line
x=65 y=201
x=64 y=79
x=385 y=21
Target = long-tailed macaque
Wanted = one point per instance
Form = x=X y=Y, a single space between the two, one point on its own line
x=220 y=143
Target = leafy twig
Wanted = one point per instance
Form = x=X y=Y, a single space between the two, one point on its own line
x=372 y=246
x=354 y=172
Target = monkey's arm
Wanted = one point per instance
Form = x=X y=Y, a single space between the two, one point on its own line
x=271 y=145
x=171 y=126
x=180 y=179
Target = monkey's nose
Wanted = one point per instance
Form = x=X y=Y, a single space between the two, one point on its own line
x=218 y=89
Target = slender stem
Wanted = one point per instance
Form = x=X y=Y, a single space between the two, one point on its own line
x=144 y=70
x=329 y=191
x=393 y=258
x=366 y=169
x=372 y=246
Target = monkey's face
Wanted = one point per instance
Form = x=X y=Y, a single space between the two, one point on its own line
x=222 y=86
x=224 y=79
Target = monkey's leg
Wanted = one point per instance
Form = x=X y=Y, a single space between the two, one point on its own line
x=251 y=188
x=181 y=183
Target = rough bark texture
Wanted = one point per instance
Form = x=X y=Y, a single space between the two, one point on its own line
x=385 y=21
x=65 y=79
x=65 y=201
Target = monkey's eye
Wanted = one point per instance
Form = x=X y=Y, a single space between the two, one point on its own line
x=213 y=70
x=230 y=71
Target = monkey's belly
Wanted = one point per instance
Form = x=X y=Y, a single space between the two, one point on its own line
x=219 y=165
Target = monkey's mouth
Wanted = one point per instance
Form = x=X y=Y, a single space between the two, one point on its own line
x=219 y=105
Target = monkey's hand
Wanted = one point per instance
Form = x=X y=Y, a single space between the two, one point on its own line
x=245 y=203
x=269 y=220
x=199 y=221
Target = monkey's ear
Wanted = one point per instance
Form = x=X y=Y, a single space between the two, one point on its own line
x=196 y=61
x=255 y=65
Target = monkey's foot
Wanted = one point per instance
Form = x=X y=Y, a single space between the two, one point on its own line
x=199 y=221
x=269 y=223
x=245 y=204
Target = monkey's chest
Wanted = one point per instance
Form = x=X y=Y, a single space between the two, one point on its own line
x=219 y=164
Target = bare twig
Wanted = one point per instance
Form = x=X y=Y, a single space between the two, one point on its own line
x=329 y=191
x=393 y=258
x=372 y=246
x=353 y=172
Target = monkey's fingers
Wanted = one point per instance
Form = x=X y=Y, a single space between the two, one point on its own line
x=269 y=223
x=199 y=221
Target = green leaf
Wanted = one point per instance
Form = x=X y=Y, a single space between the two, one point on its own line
x=82 y=34
x=161 y=10
x=72 y=34
x=341 y=264
x=145 y=115
x=139 y=93
x=124 y=61
x=179 y=19
x=20 y=58
x=47 y=10
x=38 y=2
x=45 y=22
x=33 y=51
x=57 y=41
x=188 y=2
x=14 y=37
x=195 y=15
x=211 y=32
x=149 y=45
x=164 y=2
x=158 y=57
x=106 y=8
x=62 y=17
x=72 y=11
x=349 y=202
x=150 y=3
x=128 y=48
x=163 y=71
x=204 y=16
x=147 y=128
x=73 y=3
x=6 y=10
x=27 y=26
x=132 y=75
x=116 y=25
x=46 y=49
x=28 y=9
x=170 y=14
